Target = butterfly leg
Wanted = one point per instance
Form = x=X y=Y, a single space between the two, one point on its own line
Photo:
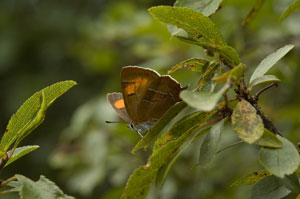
x=139 y=131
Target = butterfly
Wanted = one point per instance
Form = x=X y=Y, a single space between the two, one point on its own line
x=146 y=96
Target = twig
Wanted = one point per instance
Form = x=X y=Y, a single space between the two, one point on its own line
x=225 y=100
x=242 y=93
x=267 y=122
x=255 y=97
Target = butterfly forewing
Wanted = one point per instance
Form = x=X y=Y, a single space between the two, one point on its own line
x=134 y=84
x=161 y=95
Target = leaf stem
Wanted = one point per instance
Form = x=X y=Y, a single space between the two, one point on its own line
x=229 y=146
x=4 y=183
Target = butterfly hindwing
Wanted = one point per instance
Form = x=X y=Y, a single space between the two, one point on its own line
x=117 y=102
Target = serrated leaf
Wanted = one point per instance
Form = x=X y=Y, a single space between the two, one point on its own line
x=206 y=7
x=254 y=12
x=193 y=64
x=194 y=23
x=264 y=79
x=201 y=31
x=269 y=139
x=251 y=178
x=246 y=123
x=280 y=162
x=19 y=152
x=38 y=119
x=291 y=9
x=203 y=101
x=164 y=170
x=159 y=126
x=269 y=188
x=269 y=61
x=164 y=149
x=210 y=144
x=42 y=189
x=27 y=113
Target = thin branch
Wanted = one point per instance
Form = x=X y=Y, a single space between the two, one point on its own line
x=225 y=100
x=255 y=97
x=242 y=93
x=267 y=122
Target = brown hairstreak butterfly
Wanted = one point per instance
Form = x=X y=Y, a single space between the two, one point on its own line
x=146 y=96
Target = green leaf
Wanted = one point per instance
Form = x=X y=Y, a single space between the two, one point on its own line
x=206 y=7
x=234 y=74
x=254 y=12
x=206 y=82
x=269 y=61
x=269 y=139
x=193 y=64
x=237 y=72
x=203 y=101
x=159 y=126
x=39 y=118
x=194 y=23
x=201 y=31
x=188 y=122
x=251 y=178
x=291 y=182
x=263 y=79
x=227 y=53
x=246 y=123
x=292 y=195
x=42 y=189
x=31 y=113
x=280 y=162
x=164 y=170
x=292 y=8
x=269 y=188
x=21 y=151
x=164 y=149
x=210 y=144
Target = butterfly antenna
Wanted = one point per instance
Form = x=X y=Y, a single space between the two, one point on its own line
x=115 y=122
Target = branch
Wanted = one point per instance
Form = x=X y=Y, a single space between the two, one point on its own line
x=255 y=97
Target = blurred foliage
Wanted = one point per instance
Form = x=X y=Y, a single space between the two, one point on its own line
x=42 y=42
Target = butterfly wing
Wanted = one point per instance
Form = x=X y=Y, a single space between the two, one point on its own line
x=134 y=84
x=117 y=102
x=159 y=97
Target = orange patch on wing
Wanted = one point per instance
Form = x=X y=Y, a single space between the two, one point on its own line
x=129 y=89
x=119 y=104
